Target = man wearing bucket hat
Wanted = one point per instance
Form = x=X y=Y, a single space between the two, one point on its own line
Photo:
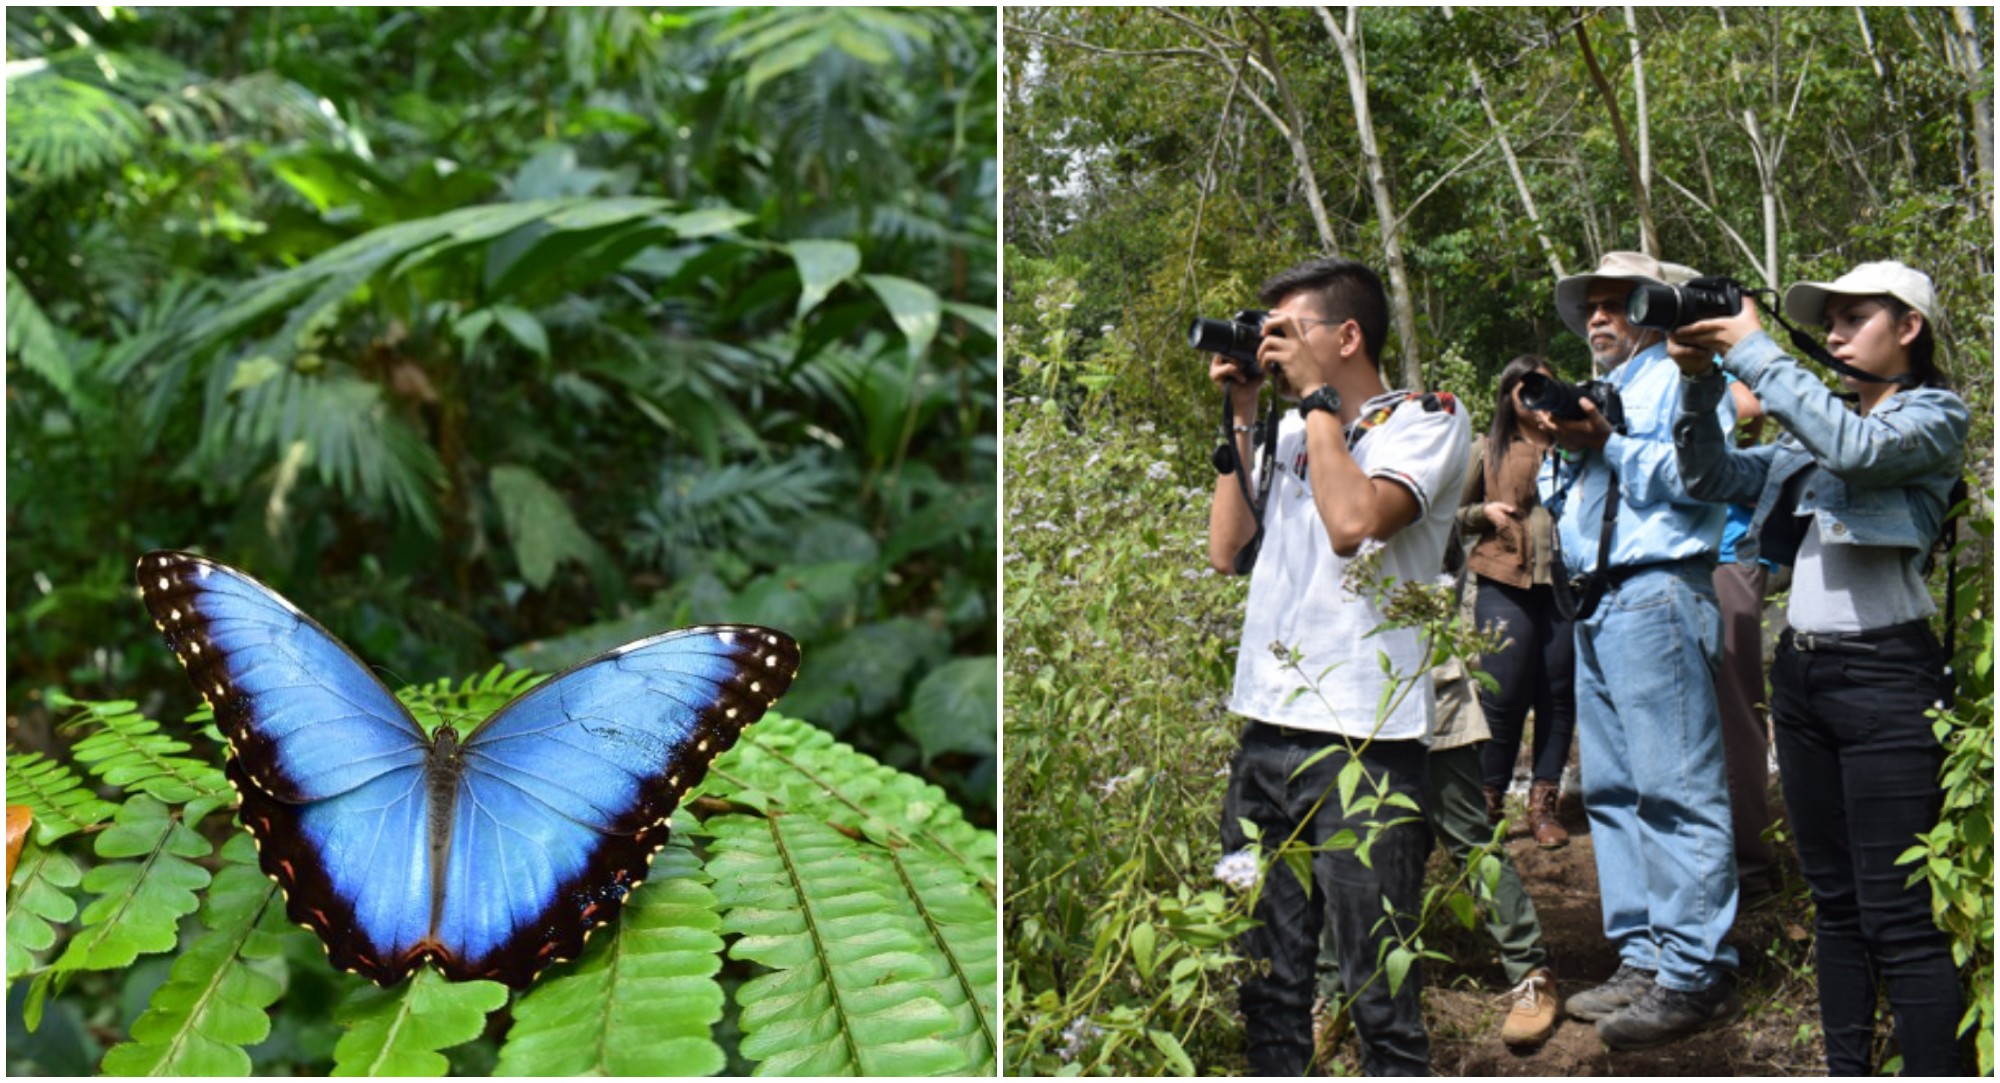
x=1853 y=499
x=1650 y=737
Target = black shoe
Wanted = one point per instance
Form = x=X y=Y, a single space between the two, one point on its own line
x=1665 y=1015
x=1608 y=999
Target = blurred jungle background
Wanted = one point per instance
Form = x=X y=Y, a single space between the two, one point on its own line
x=1160 y=164
x=509 y=334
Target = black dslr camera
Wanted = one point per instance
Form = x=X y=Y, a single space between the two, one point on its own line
x=1236 y=338
x=1670 y=308
x=1565 y=401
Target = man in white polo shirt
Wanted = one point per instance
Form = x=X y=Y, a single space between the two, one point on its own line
x=1359 y=471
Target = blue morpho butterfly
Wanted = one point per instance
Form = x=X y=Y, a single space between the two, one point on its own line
x=493 y=854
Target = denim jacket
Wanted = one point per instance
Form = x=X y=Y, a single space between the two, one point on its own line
x=1881 y=480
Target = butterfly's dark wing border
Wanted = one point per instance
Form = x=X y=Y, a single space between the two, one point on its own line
x=761 y=665
x=174 y=587
x=285 y=855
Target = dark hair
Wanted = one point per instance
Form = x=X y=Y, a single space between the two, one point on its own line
x=1505 y=417
x=1342 y=290
x=1923 y=350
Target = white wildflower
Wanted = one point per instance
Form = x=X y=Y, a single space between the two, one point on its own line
x=1158 y=472
x=1238 y=870
x=1076 y=1036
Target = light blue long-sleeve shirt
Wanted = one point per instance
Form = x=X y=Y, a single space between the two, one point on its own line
x=1657 y=519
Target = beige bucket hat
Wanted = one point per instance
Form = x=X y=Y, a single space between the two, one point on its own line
x=1571 y=292
x=1806 y=302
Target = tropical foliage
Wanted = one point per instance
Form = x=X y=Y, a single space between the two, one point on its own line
x=478 y=332
x=1162 y=162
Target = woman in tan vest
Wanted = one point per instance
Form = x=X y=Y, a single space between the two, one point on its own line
x=1509 y=535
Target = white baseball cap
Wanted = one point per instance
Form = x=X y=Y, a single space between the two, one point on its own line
x=1630 y=267
x=1806 y=302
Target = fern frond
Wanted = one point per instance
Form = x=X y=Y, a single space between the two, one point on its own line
x=962 y=923
x=128 y=751
x=857 y=987
x=700 y=507
x=38 y=900
x=33 y=339
x=399 y=1031
x=62 y=804
x=356 y=445
x=641 y=1003
x=214 y=1000
x=59 y=128
x=139 y=902
x=801 y=767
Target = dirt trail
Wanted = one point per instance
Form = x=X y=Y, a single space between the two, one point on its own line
x=1464 y=1002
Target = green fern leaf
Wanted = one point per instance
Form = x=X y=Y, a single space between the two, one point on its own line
x=128 y=751
x=858 y=987
x=640 y=1003
x=32 y=338
x=140 y=903
x=214 y=1000
x=399 y=1031
x=61 y=803
x=801 y=767
x=38 y=899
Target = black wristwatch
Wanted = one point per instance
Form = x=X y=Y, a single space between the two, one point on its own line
x=1326 y=398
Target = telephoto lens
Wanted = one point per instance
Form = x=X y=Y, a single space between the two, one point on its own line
x=1669 y=308
x=1236 y=339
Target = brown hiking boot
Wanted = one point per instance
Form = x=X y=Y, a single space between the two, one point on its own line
x=1549 y=834
x=1496 y=803
x=1533 y=1008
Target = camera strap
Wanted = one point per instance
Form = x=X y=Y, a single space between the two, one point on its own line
x=1806 y=344
x=1227 y=462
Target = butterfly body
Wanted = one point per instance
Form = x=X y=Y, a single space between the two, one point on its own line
x=490 y=855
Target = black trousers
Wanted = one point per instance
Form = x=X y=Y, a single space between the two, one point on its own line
x=1859 y=765
x=1537 y=668
x=1267 y=789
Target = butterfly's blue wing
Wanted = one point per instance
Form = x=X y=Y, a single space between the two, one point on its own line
x=304 y=716
x=331 y=769
x=566 y=791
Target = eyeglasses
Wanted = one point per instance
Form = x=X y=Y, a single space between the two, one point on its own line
x=1609 y=307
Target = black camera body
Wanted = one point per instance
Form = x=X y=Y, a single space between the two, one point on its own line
x=1565 y=401
x=1236 y=338
x=1670 y=308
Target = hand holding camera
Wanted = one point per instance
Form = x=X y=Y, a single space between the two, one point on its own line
x=1694 y=346
x=1232 y=346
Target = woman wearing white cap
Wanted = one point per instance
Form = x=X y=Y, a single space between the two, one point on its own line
x=1853 y=499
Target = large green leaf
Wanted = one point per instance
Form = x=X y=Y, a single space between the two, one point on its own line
x=539 y=525
x=822 y=266
x=954 y=707
x=915 y=308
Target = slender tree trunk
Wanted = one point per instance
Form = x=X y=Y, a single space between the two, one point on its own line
x=1513 y=166
x=1980 y=90
x=1412 y=371
x=1649 y=236
x=1639 y=107
x=1889 y=96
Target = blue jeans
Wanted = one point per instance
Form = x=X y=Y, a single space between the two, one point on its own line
x=1654 y=781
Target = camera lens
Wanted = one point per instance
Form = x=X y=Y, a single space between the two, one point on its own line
x=1653 y=306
